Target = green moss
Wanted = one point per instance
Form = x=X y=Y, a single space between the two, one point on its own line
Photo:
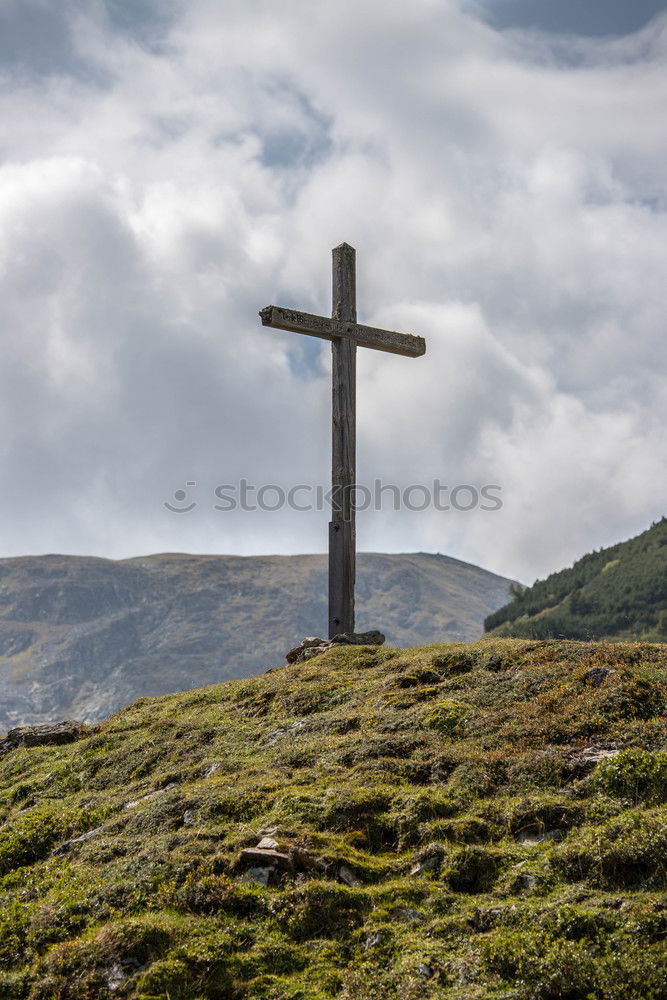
x=207 y=893
x=34 y=832
x=539 y=965
x=448 y=718
x=322 y=909
x=549 y=878
x=167 y=977
x=638 y=775
x=472 y=869
x=627 y=851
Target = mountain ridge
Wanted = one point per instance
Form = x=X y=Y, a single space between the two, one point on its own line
x=81 y=636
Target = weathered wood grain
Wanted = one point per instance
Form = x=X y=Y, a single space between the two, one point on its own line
x=342 y=541
x=331 y=329
x=343 y=444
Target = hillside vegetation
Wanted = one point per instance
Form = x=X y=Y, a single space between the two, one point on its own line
x=618 y=592
x=453 y=821
x=80 y=637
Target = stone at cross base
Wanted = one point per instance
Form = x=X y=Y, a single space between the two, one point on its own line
x=312 y=645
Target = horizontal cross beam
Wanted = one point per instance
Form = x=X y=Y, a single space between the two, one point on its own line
x=334 y=329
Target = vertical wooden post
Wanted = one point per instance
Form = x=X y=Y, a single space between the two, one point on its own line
x=342 y=535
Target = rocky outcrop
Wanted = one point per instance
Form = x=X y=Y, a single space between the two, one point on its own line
x=312 y=645
x=50 y=734
x=266 y=863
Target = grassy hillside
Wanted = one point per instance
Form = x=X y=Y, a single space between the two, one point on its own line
x=619 y=592
x=81 y=637
x=453 y=821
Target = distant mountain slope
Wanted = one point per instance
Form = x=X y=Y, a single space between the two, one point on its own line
x=618 y=592
x=82 y=637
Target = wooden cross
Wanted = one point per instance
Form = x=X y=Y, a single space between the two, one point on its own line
x=345 y=334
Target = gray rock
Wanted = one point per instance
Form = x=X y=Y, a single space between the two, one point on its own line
x=598 y=675
x=300 y=652
x=45 y=735
x=428 y=860
x=151 y=795
x=188 y=817
x=429 y=865
x=406 y=915
x=256 y=856
x=526 y=881
x=64 y=848
x=297 y=654
x=260 y=876
x=347 y=876
x=581 y=762
x=372 y=940
x=115 y=977
x=313 y=645
x=532 y=839
x=309 y=653
x=268 y=844
x=120 y=972
x=277 y=734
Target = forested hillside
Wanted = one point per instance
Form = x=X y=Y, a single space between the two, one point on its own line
x=618 y=592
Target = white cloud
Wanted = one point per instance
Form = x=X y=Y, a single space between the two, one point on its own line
x=505 y=203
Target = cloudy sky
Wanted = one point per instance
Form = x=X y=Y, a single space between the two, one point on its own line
x=170 y=167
